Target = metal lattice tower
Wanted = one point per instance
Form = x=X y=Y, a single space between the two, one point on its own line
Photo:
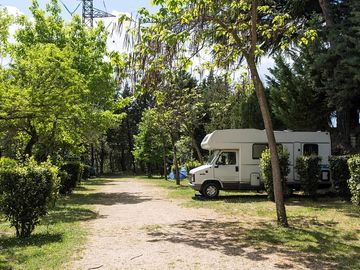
x=89 y=13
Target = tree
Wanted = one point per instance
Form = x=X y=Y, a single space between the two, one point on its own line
x=121 y=138
x=338 y=63
x=234 y=30
x=59 y=91
x=151 y=143
x=39 y=101
x=295 y=97
x=5 y=21
x=178 y=103
x=230 y=105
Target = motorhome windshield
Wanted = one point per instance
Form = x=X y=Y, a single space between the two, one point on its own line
x=213 y=157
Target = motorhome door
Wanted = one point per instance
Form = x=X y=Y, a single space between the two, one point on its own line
x=226 y=169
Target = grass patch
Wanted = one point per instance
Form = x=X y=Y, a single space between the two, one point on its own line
x=323 y=234
x=59 y=236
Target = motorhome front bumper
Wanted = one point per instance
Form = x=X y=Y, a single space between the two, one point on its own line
x=197 y=187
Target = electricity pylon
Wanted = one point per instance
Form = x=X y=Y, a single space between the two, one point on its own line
x=89 y=13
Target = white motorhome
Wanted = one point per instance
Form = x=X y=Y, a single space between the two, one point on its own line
x=234 y=163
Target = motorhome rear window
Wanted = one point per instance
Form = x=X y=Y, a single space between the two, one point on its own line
x=310 y=149
x=257 y=149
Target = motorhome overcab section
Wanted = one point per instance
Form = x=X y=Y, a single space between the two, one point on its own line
x=236 y=154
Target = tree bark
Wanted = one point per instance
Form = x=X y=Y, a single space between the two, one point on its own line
x=260 y=93
x=33 y=140
x=111 y=162
x=343 y=125
x=131 y=145
x=92 y=156
x=328 y=15
x=102 y=157
x=197 y=149
x=164 y=160
x=177 y=174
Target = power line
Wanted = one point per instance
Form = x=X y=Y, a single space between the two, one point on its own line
x=68 y=10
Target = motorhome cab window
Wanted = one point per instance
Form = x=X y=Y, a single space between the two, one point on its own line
x=310 y=149
x=257 y=149
x=212 y=157
x=227 y=158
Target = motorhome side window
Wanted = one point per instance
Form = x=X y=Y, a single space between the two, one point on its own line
x=257 y=149
x=310 y=149
x=227 y=158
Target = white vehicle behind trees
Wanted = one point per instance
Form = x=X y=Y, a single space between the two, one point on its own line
x=234 y=163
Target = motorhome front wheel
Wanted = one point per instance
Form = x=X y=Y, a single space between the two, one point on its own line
x=211 y=190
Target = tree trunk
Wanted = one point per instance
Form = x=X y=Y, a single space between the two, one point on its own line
x=164 y=160
x=328 y=15
x=123 y=160
x=275 y=164
x=111 y=162
x=260 y=93
x=197 y=149
x=102 y=158
x=177 y=175
x=96 y=158
x=33 y=140
x=343 y=126
x=131 y=145
x=92 y=156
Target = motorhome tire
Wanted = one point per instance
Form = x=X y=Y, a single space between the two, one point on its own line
x=210 y=190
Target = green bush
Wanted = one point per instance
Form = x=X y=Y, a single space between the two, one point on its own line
x=7 y=163
x=71 y=173
x=340 y=175
x=354 y=181
x=191 y=164
x=86 y=172
x=309 y=170
x=266 y=172
x=26 y=193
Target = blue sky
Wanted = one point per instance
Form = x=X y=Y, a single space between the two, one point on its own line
x=120 y=5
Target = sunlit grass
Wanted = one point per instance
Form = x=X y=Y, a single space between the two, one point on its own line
x=57 y=239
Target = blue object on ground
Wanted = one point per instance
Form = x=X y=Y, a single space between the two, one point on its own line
x=182 y=173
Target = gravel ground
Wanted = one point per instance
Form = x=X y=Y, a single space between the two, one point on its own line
x=138 y=228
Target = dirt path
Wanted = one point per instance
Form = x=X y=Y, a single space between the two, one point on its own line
x=138 y=228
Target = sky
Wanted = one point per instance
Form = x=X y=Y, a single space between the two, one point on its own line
x=129 y=6
x=114 y=7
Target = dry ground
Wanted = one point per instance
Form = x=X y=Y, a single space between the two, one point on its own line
x=139 y=228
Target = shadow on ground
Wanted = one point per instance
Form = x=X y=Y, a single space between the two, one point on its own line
x=310 y=248
x=63 y=213
x=235 y=198
x=103 y=198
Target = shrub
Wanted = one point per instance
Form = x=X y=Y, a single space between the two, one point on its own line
x=86 y=172
x=191 y=164
x=309 y=170
x=26 y=193
x=340 y=175
x=71 y=173
x=354 y=181
x=266 y=172
x=7 y=163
